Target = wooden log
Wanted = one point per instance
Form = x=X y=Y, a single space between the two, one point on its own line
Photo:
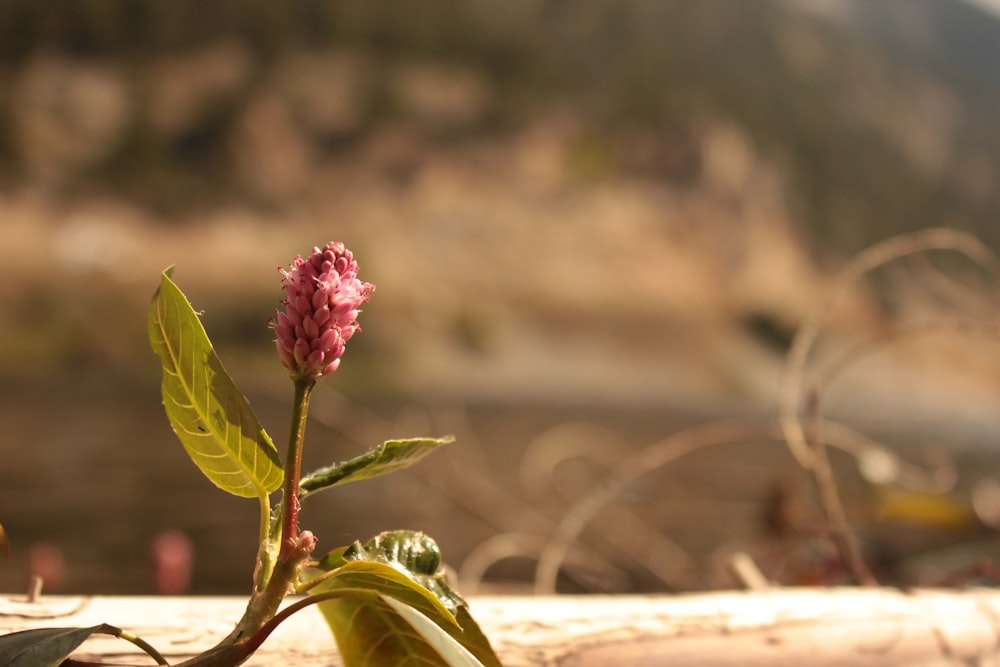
x=778 y=627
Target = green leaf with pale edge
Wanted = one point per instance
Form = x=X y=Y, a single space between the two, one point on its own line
x=208 y=413
x=449 y=649
x=388 y=457
x=412 y=552
x=47 y=647
x=393 y=569
x=370 y=633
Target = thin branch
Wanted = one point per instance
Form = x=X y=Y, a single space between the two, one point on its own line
x=875 y=256
x=833 y=509
x=665 y=451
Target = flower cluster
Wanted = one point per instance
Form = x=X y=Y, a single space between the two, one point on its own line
x=322 y=300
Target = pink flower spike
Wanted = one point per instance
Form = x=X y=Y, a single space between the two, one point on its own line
x=323 y=297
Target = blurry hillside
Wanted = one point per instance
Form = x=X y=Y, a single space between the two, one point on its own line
x=518 y=178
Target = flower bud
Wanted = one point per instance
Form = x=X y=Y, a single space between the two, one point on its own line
x=322 y=300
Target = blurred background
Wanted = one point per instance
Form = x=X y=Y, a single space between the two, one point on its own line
x=590 y=223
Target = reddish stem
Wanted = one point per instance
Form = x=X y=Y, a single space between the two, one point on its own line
x=293 y=467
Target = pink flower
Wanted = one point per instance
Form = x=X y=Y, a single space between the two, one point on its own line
x=322 y=300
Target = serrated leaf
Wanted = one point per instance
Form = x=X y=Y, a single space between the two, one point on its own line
x=208 y=413
x=48 y=647
x=388 y=457
x=406 y=567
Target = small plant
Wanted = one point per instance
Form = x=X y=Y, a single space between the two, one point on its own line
x=386 y=601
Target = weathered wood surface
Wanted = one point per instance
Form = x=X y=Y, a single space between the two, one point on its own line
x=780 y=627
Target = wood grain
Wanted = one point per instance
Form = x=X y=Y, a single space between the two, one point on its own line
x=776 y=628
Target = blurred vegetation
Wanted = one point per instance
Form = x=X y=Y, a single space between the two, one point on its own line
x=652 y=66
x=184 y=108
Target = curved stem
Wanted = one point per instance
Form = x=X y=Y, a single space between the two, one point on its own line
x=234 y=653
x=266 y=550
x=114 y=631
x=144 y=645
x=302 y=587
x=258 y=638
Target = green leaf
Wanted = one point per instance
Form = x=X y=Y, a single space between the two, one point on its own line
x=388 y=457
x=334 y=559
x=370 y=577
x=414 y=553
x=48 y=647
x=403 y=570
x=475 y=640
x=450 y=651
x=208 y=413
x=370 y=631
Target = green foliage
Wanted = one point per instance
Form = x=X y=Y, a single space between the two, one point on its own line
x=207 y=412
x=400 y=610
x=48 y=647
x=388 y=457
x=370 y=631
x=387 y=601
x=412 y=552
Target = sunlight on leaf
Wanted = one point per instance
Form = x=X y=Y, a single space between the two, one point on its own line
x=388 y=457
x=443 y=644
x=406 y=567
x=414 y=553
x=208 y=413
x=48 y=647
x=370 y=633
x=368 y=629
x=380 y=578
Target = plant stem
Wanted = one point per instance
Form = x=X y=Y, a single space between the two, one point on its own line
x=263 y=605
x=293 y=466
x=272 y=586
x=231 y=654
x=266 y=552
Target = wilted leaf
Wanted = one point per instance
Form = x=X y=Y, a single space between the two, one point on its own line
x=48 y=647
x=388 y=457
x=402 y=568
x=208 y=413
